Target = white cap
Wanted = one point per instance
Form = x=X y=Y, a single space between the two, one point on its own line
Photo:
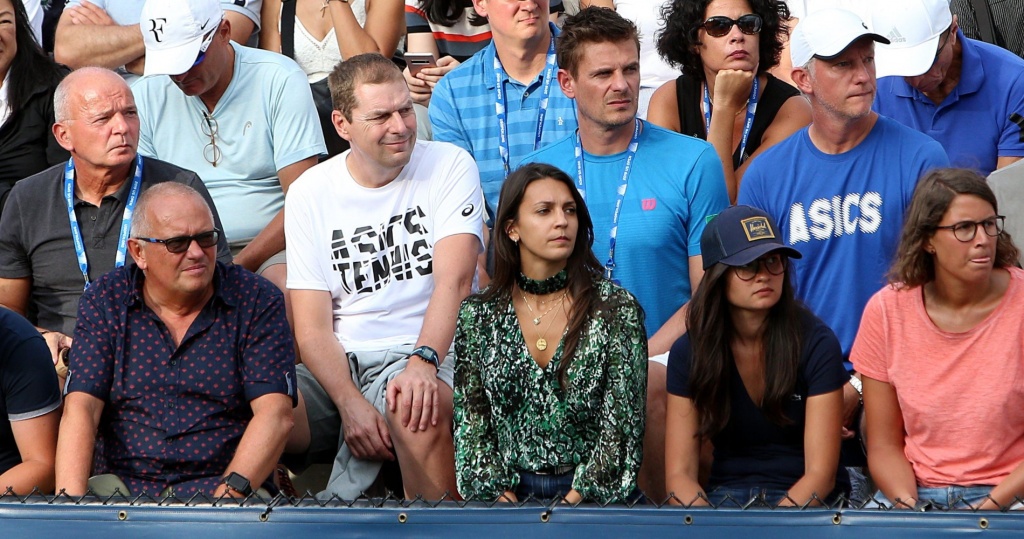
x=176 y=31
x=825 y=34
x=913 y=28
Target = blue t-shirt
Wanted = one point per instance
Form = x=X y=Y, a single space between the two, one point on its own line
x=663 y=214
x=462 y=112
x=843 y=212
x=980 y=120
x=265 y=121
x=751 y=451
x=28 y=382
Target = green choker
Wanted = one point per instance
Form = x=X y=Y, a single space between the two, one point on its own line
x=552 y=284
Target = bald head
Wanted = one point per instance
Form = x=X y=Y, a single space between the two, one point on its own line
x=97 y=121
x=163 y=195
x=81 y=82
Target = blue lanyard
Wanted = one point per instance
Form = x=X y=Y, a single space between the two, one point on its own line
x=747 y=124
x=499 y=104
x=126 y=220
x=581 y=186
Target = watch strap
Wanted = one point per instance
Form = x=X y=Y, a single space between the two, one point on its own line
x=238 y=482
x=427 y=354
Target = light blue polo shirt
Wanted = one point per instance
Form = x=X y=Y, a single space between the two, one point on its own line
x=265 y=121
x=462 y=112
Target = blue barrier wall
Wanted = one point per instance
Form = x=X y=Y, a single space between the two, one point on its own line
x=71 y=521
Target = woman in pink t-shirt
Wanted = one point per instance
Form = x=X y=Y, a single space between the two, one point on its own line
x=940 y=352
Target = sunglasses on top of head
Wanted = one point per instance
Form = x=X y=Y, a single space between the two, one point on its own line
x=719 y=26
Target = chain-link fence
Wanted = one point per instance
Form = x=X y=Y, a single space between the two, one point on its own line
x=391 y=500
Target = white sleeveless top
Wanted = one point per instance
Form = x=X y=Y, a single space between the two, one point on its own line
x=318 y=58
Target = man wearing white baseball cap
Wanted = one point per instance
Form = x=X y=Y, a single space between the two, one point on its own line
x=243 y=117
x=964 y=93
x=839 y=187
x=106 y=32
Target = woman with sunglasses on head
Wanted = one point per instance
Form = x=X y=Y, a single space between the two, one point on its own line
x=941 y=354
x=757 y=375
x=725 y=94
x=551 y=372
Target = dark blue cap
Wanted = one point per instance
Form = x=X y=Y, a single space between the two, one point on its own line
x=740 y=235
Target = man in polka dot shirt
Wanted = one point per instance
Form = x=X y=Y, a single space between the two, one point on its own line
x=182 y=373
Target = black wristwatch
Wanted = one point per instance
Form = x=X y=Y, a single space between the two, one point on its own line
x=427 y=354
x=237 y=482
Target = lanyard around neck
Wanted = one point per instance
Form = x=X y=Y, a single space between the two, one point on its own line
x=748 y=122
x=126 y=219
x=581 y=186
x=499 y=103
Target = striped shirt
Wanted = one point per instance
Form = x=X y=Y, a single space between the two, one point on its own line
x=462 y=112
x=460 y=40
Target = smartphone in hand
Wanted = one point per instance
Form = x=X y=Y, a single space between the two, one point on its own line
x=418 y=60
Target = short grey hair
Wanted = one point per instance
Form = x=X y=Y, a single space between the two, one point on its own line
x=141 y=227
x=62 y=94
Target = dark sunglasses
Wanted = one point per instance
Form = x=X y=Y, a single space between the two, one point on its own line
x=719 y=26
x=180 y=244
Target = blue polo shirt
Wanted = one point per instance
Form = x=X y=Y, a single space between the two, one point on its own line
x=462 y=112
x=174 y=415
x=980 y=120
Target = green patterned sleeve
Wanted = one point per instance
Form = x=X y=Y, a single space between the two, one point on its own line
x=609 y=473
x=479 y=468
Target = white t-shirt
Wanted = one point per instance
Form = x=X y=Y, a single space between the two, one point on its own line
x=372 y=249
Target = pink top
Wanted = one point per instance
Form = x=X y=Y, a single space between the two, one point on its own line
x=961 y=394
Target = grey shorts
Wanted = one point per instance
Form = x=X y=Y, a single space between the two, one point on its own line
x=371 y=372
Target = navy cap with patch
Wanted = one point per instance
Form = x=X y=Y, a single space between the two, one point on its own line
x=739 y=235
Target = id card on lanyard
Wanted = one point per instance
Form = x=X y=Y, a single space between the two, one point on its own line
x=126 y=218
x=748 y=122
x=581 y=186
x=499 y=104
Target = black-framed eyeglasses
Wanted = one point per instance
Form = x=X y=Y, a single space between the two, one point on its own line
x=180 y=244
x=773 y=264
x=965 y=231
x=719 y=26
x=210 y=128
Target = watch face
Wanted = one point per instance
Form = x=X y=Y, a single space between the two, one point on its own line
x=238 y=482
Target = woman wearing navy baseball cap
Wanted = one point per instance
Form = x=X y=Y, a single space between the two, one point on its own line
x=757 y=376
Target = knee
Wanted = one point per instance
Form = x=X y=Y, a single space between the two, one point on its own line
x=424 y=439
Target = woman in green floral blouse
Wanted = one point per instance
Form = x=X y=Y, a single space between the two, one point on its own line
x=551 y=372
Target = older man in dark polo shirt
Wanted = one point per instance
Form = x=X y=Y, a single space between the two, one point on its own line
x=182 y=376
x=42 y=272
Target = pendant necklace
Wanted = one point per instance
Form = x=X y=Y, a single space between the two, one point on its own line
x=536 y=319
x=550 y=285
x=542 y=343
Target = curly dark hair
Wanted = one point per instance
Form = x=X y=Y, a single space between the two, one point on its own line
x=677 y=40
